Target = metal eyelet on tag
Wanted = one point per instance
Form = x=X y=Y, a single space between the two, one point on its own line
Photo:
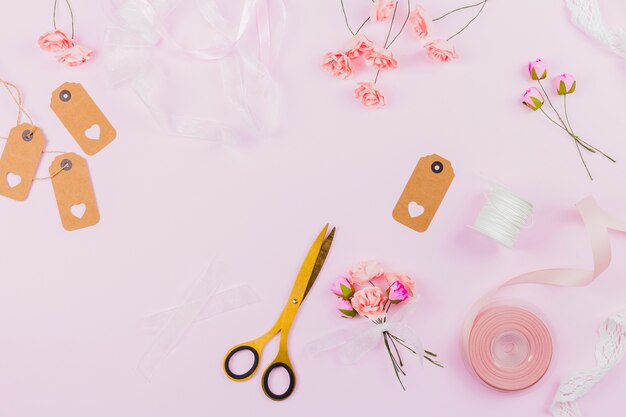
x=19 y=161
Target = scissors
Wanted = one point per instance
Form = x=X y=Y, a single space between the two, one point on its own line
x=304 y=281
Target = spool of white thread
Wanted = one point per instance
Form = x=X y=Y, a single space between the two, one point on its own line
x=503 y=216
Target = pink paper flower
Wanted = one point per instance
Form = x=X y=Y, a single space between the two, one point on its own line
x=440 y=50
x=345 y=308
x=341 y=287
x=397 y=293
x=55 y=41
x=359 y=45
x=382 y=9
x=76 y=55
x=419 y=21
x=369 y=302
x=537 y=69
x=369 y=95
x=565 y=84
x=365 y=271
x=338 y=64
x=532 y=99
x=381 y=59
x=405 y=280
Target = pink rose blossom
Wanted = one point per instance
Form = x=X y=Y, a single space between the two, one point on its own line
x=532 y=99
x=55 y=41
x=369 y=302
x=405 y=280
x=382 y=9
x=419 y=22
x=565 y=84
x=365 y=271
x=537 y=69
x=345 y=308
x=75 y=56
x=440 y=50
x=341 y=287
x=359 y=45
x=397 y=293
x=338 y=64
x=369 y=95
x=381 y=59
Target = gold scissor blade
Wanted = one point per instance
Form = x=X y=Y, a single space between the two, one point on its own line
x=306 y=270
x=319 y=262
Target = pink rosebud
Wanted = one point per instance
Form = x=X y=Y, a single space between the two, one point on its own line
x=405 y=280
x=419 y=21
x=532 y=99
x=397 y=293
x=381 y=59
x=382 y=9
x=359 y=45
x=55 y=41
x=565 y=84
x=341 y=287
x=75 y=56
x=345 y=308
x=537 y=69
x=440 y=50
x=365 y=271
x=338 y=64
x=369 y=302
x=369 y=95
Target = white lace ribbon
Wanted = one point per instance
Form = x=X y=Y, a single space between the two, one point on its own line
x=610 y=350
x=587 y=16
x=248 y=89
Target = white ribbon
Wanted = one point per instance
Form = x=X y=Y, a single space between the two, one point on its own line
x=353 y=342
x=610 y=350
x=249 y=91
x=587 y=16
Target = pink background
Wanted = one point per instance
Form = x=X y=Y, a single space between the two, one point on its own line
x=71 y=304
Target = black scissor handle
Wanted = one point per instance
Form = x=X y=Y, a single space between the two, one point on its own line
x=247 y=374
x=266 y=385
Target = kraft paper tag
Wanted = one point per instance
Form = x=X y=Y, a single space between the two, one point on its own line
x=19 y=161
x=82 y=118
x=74 y=192
x=424 y=192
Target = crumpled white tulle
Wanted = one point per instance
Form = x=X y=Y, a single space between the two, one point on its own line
x=587 y=16
x=610 y=350
x=247 y=89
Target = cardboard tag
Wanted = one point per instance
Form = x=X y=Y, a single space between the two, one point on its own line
x=82 y=118
x=74 y=192
x=424 y=192
x=19 y=161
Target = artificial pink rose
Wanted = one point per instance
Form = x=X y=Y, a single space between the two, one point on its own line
x=381 y=59
x=419 y=21
x=537 y=69
x=75 y=56
x=440 y=50
x=359 y=45
x=532 y=99
x=341 y=287
x=365 y=271
x=338 y=64
x=565 y=84
x=369 y=95
x=405 y=280
x=397 y=293
x=369 y=302
x=345 y=308
x=55 y=41
x=382 y=9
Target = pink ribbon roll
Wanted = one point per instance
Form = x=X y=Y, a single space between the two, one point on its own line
x=509 y=347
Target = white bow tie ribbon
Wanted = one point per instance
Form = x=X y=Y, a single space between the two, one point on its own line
x=235 y=99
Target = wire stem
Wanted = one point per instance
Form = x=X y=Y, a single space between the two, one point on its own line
x=54 y=15
x=408 y=14
x=470 y=22
x=460 y=8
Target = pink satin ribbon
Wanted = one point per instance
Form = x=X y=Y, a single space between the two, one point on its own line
x=486 y=326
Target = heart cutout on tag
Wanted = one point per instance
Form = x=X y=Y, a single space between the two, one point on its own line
x=93 y=132
x=13 y=180
x=415 y=209
x=78 y=210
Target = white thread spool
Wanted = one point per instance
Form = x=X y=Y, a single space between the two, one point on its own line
x=503 y=216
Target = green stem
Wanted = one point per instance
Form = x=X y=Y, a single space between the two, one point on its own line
x=460 y=8
x=583 y=142
x=408 y=14
x=583 y=159
x=584 y=145
x=470 y=22
x=397 y=352
x=393 y=361
x=550 y=103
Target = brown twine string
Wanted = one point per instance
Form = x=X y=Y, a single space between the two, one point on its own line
x=53 y=175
